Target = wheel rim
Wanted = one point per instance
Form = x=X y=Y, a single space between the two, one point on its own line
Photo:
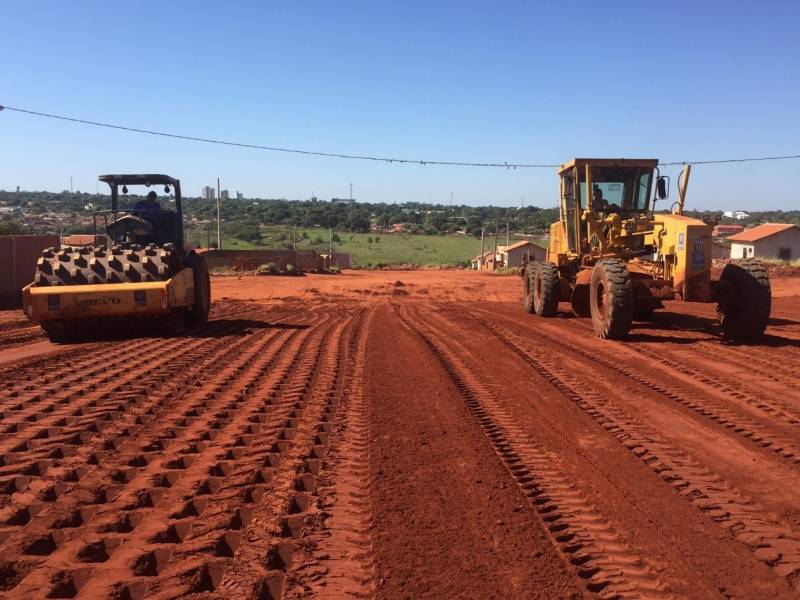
x=600 y=301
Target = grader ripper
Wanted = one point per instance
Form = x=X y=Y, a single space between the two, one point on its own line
x=615 y=260
x=138 y=271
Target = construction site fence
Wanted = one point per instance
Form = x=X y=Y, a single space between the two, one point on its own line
x=301 y=260
x=18 y=256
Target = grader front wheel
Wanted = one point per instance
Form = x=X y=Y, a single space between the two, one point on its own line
x=611 y=299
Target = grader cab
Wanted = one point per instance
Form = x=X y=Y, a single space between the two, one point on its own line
x=615 y=259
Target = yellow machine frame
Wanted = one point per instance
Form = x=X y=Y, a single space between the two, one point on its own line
x=70 y=302
x=682 y=264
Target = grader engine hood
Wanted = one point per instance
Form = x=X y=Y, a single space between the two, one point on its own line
x=685 y=245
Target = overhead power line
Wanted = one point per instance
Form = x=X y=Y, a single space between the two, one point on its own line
x=505 y=165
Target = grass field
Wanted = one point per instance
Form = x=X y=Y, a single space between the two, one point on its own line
x=384 y=249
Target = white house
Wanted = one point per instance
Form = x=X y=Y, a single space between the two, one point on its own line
x=771 y=240
x=736 y=214
x=514 y=255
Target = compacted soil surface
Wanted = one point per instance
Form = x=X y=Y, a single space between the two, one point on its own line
x=407 y=434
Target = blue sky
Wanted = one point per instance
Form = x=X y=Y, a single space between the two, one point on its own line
x=516 y=81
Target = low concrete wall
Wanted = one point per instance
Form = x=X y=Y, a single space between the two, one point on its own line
x=18 y=256
x=248 y=260
x=343 y=260
x=303 y=260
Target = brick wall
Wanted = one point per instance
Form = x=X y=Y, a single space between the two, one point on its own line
x=18 y=256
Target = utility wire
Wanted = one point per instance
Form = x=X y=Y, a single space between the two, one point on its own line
x=505 y=165
x=277 y=149
x=728 y=160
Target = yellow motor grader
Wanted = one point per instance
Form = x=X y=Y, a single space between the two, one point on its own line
x=614 y=259
x=137 y=271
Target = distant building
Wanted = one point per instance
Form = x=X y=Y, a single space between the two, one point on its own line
x=343 y=200
x=79 y=239
x=771 y=240
x=239 y=195
x=208 y=193
x=725 y=230
x=736 y=214
x=516 y=254
x=513 y=255
x=483 y=262
x=224 y=195
x=720 y=248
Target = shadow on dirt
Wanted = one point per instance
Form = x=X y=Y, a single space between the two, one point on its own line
x=666 y=322
x=777 y=321
x=233 y=327
x=218 y=328
x=236 y=326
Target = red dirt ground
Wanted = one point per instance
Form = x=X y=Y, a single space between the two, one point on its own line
x=403 y=434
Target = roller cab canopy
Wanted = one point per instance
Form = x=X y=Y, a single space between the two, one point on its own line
x=139 y=179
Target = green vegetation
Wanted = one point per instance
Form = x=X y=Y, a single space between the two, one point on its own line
x=382 y=249
x=433 y=234
x=243 y=217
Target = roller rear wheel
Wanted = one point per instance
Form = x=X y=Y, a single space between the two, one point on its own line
x=198 y=314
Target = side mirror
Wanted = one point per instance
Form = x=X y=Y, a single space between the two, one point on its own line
x=662 y=187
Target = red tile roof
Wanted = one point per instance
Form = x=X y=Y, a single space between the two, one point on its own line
x=79 y=239
x=758 y=233
x=514 y=246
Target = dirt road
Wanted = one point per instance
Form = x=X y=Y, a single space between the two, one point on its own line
x=402 y=435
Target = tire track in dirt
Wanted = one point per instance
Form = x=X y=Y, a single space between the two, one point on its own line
x=40 y=432
x=210 y=473
x=743 y=392
x=763 y=435
x=335 y=555
x=141 y=441
x=19 y=335
x=589 y=543
x=264 y=560
x=772 y=542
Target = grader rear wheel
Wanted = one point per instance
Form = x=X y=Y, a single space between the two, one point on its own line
x=545 y=290
x=611 y=299
x=746 y=301
x=527 y=287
